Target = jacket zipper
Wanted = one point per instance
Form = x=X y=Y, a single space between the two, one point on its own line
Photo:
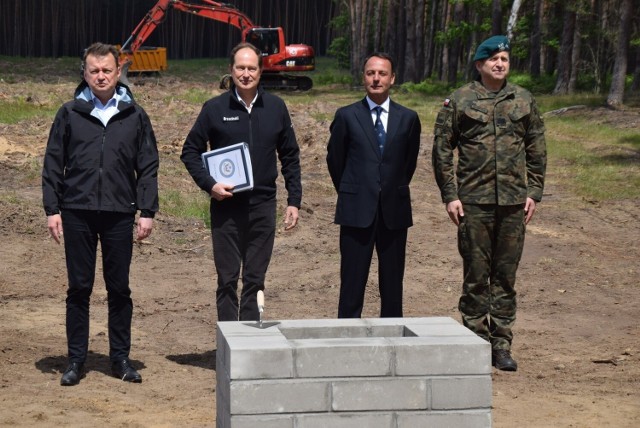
x=100 y=169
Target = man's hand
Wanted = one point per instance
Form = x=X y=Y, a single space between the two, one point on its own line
x=290 y=218
x=54 y=223
x=455 y=211
x=221 y=191
x=529 y=209
x=145 y=226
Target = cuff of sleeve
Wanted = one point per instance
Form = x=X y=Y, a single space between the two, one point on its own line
x=294 y=203
x=536 y=196
x=147 y=214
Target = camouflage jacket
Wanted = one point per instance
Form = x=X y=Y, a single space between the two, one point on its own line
x=501 y=146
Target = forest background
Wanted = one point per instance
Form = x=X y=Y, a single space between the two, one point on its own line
x=559 y=47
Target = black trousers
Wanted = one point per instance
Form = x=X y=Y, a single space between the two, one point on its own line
x=82 y=231
x=243 y=235
x=356 y=249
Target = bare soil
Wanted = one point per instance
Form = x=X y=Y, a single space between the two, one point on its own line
x=577 y=338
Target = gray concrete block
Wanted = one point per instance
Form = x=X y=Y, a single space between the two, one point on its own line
x=429 y=321
x=223 y=398
x=458 y=419
x=249 y=328
x=380 y=394
x=279 y=396
x=378 y=373
x=325 y=322
x=441 y=330
x=461 y=392
x=346 y=420
x=446 y=355
x=262 y=421
x=342 y=332
x=259 y=357
x=338 y=358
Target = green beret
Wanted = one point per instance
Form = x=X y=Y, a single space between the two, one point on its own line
x=490 y=46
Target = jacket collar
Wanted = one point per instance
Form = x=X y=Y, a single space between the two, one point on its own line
x=84 y=97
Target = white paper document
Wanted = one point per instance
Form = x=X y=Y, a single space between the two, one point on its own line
x=230 y=165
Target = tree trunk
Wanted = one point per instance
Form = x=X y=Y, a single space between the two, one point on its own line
x=420 y=41
x=454 y=50
x=616 y=92
x=635 y=85
x=575 y=58
x=513 y=18
x=431 y=39
x=358 y=37
x=536 y=37
x=564 y=56
x=411 y=51
x=496 y=17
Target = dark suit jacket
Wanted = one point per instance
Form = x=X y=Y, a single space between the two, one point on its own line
x=362 y=176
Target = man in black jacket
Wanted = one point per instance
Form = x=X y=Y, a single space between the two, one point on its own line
x=100 y=168
x=243 y=223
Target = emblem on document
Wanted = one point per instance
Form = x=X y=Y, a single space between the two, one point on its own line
x=227 y=168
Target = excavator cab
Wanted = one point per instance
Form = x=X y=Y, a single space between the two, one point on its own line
x=265 y=39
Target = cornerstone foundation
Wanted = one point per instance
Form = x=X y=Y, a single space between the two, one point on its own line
x=364 y=373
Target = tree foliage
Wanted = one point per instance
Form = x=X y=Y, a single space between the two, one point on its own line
x=578 y=43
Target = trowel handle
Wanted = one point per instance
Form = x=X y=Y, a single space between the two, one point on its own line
x=260 y=299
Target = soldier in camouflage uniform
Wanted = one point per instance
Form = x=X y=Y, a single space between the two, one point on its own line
x=492 y=192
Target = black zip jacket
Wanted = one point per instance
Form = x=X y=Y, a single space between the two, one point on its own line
x=224 y=121
x=89 y=166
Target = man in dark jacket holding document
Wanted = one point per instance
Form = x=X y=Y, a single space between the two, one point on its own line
x=243 y=223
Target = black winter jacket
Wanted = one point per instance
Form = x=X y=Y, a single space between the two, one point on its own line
x=89 y=166
x=224 y=121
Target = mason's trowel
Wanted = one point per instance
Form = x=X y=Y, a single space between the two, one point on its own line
x=260 y=299
x=260 y=324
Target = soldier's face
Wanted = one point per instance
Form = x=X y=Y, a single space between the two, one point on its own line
x=495 y=68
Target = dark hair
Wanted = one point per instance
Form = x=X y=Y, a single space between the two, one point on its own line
x=382 y=55
x=100 y=49
x=244 y=45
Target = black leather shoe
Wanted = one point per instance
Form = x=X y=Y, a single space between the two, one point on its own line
x=122 y=369
x=72 y=374
x=501 y=359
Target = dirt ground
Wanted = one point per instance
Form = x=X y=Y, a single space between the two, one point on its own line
x=577 y=338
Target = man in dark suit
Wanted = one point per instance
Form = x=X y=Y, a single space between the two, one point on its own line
x=372 y=155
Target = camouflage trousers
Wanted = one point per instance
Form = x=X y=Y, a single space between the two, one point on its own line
x=490 y=241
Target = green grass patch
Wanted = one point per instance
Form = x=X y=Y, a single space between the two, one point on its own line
x=554 y=102
x=328 y=73
x=195 y=96
x=186 y=205
x=196 y=67
x=600 y=162
x=13 y=111
x=18 y=69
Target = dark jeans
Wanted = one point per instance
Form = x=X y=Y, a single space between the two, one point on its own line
x=82 y=231
x=243 y=235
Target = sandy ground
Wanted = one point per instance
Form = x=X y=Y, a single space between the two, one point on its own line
x=577 y=338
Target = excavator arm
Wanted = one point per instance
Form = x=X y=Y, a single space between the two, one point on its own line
x=213 y=10
x=278 y=58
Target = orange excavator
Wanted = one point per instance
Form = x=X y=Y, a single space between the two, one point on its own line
x=278 y=59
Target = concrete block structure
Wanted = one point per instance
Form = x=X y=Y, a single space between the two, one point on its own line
x=362 y=373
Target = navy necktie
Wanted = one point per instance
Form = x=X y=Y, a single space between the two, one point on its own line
x=381 y=135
